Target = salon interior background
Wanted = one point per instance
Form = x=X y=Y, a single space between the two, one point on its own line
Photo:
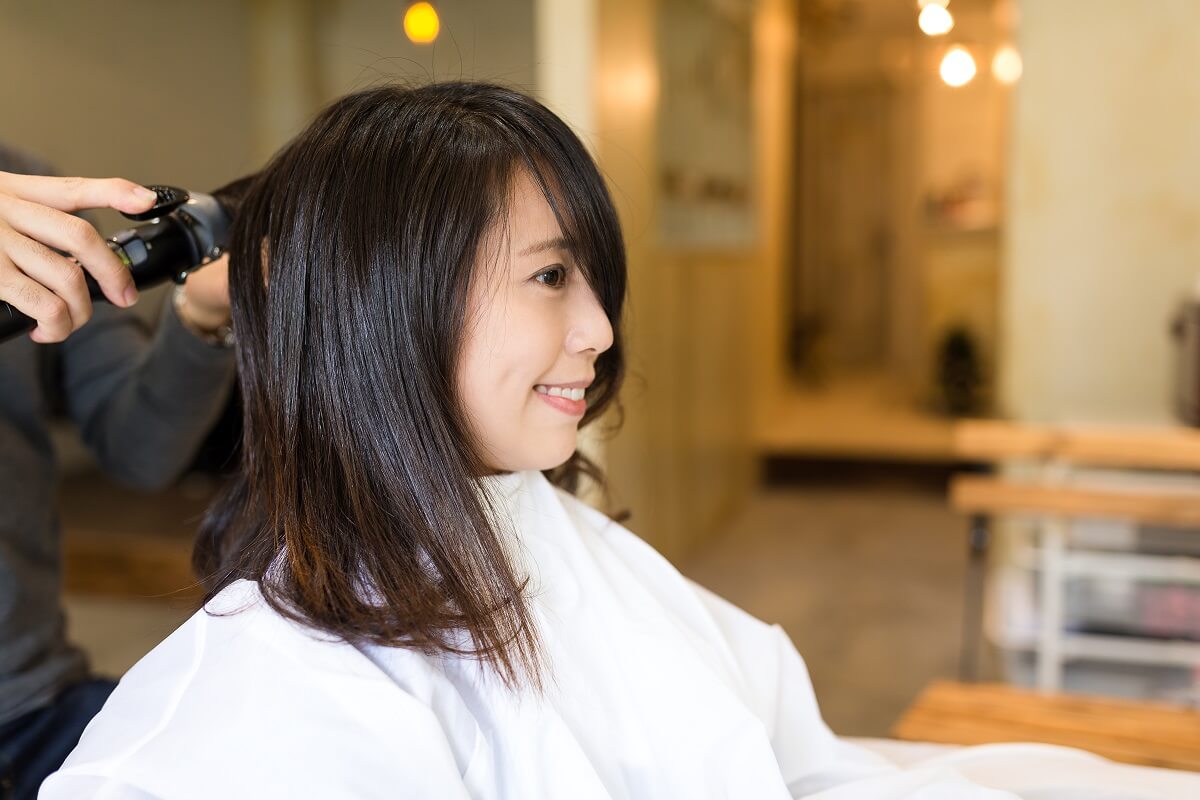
x=811 y=209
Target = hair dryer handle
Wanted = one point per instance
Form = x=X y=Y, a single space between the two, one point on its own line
x=13 y=322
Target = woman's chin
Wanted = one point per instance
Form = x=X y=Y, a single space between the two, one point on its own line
x=543 y=458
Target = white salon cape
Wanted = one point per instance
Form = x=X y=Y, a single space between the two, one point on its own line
x=657 y=689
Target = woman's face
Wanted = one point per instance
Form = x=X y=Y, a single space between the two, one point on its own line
x=534 y=332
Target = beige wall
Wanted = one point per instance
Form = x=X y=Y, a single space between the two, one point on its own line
x=681 y=463
x=565 y=34
x=150 y=90
x=776 y=44
x=198 y=94
x=307 y=52
x=1104 y=229
x=362 y=42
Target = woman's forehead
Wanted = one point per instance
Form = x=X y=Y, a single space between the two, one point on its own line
x=532 y=225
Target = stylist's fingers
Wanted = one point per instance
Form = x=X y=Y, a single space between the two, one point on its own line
x=75 y=236
x=34 y=300
x=62 y=277
x=75 y=194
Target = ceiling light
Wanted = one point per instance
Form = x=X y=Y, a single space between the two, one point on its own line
x=421 y=24
x=935 y=20
x=958 y=67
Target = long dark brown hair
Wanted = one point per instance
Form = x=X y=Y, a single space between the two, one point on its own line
x=357 y=506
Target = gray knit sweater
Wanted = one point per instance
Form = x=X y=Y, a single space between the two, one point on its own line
x=143 y=404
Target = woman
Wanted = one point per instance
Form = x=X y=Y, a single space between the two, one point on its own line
x=406 y=599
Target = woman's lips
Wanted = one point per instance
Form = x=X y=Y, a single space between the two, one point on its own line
x=567 y=405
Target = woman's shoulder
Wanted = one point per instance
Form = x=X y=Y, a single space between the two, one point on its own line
x=239 y=654
x=659 y=573
x=589 y=521
x=238 y=644
x=579 y=509
x=239 y=683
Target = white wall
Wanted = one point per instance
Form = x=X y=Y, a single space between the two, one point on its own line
x=1104 y=227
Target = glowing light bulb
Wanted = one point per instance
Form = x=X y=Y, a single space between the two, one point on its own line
x=958 y=67
x=421 y=24
x=1006 y=64
x=935 y=20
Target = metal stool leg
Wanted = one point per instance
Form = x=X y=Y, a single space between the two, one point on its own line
x=978 y=541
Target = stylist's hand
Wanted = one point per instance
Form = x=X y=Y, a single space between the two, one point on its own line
x=39 y=282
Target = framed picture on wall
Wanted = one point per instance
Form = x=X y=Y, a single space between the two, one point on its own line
x=705 y=129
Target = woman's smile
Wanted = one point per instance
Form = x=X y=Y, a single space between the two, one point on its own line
x=563 y=398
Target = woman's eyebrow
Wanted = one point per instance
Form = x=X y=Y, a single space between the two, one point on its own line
x=558 y=243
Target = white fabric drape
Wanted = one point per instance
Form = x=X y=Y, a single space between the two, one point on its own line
x=657 y=689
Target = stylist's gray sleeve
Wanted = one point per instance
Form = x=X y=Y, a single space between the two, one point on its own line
x=143 y=403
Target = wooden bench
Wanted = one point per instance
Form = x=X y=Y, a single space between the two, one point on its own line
x=1133 y=732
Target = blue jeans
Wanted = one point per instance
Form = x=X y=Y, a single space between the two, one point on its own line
x=33 y=746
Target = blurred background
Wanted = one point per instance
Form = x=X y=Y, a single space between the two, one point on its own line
x=851 y=225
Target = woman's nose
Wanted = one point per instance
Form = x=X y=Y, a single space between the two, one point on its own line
x=590 y=328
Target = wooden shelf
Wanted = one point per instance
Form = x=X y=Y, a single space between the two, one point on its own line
x=1166 y=448
x=864 y=417
x=1143 y=476
x=970 y=494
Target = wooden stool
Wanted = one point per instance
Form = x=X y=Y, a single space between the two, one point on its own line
x=1123 y=730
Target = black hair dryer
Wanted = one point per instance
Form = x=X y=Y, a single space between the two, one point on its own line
x=184 y=231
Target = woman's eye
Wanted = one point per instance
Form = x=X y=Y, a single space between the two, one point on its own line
x=554 y=277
